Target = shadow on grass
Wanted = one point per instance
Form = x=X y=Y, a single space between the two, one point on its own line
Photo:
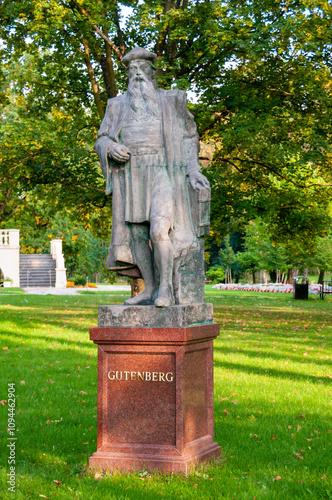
x=46 y=338
x=271 y=372
x=271 y=355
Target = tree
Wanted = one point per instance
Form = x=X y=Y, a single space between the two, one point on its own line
x=216 y=274
x=227 y=258
x=261 y=70
x=261 y=254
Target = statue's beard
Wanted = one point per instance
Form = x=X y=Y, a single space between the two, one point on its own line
x=142 y=96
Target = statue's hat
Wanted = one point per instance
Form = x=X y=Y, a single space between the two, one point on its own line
x=141 y=54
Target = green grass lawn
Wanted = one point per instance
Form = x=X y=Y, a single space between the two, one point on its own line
x=272 y=400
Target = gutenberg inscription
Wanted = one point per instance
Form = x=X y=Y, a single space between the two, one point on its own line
x=144 y=376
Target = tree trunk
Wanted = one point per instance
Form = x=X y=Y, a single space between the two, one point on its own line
x=108 y=70
x=95 y=88
x=254 y=278
x=137 y=286
x=321 y=276
x=273 y=276
x=290 y=275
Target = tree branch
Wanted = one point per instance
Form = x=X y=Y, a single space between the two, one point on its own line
x=95 y=88
x=226 y=160
x=82 y=11
x=278 y=174
x=86 y=186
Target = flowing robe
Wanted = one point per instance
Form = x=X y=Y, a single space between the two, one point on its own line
x=181 y=147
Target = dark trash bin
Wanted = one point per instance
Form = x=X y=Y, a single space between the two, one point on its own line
x=301 y=290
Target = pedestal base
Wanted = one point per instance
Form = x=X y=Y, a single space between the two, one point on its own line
x=155 y=396
x=129 y=462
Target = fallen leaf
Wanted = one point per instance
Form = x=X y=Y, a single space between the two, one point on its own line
x=298 y=427
x=87 y=367
x=274 y=437
x=3 y=402
x=22 y=382
x=298 y=455
x=226 y=412
x=324 y=477
x=277 y=478
x=50 y=381
x=57 y=482
x=5 y=348
x=195 y=485
x=43 y=496
x=301 y=416
x=97 y=475
x=83 y=393
x=234 y=402
x=289 y=427
x=254 y=436
x=299 y=481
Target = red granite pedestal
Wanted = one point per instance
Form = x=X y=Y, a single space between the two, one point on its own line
x=155 y=398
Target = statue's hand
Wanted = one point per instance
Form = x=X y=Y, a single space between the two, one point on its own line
x=119 y=153
x=198 y=180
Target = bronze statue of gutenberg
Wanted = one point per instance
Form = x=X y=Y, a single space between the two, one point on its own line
x=148 y=148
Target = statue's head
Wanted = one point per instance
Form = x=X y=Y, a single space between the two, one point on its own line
x=141 y=81
x=140 y=65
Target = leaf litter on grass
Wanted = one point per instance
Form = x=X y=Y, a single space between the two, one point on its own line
x=264 y=385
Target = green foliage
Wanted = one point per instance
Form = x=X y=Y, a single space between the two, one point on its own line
x=261 y=253
x=321 y=257
x=216 y=274
x=79 y=280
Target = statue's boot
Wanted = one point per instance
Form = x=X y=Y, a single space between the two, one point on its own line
x=164 y=260
x=165 y=297
x=145 y=298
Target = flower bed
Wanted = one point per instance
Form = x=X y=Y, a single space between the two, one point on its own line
x=272 y=288
x=71 y=284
